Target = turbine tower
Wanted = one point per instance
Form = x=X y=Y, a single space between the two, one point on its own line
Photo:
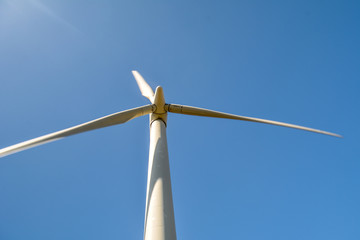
x=159 y=212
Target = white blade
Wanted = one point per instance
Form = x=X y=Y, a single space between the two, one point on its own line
x=113 y=119
x=145 y=89
x=175 y=108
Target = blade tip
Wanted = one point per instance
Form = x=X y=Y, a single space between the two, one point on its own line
x=334 y=135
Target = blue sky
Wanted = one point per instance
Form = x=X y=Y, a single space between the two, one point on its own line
x=67 y=62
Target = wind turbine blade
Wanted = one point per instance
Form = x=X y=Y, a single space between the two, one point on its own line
x=109 y=120
x=188 y=110
x=145 y=89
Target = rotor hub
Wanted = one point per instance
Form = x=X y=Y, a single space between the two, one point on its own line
x=159 y=102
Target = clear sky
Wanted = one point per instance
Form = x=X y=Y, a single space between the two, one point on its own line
x=67 y=62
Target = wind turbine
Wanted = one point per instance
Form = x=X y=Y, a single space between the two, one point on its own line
x=159 y=212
